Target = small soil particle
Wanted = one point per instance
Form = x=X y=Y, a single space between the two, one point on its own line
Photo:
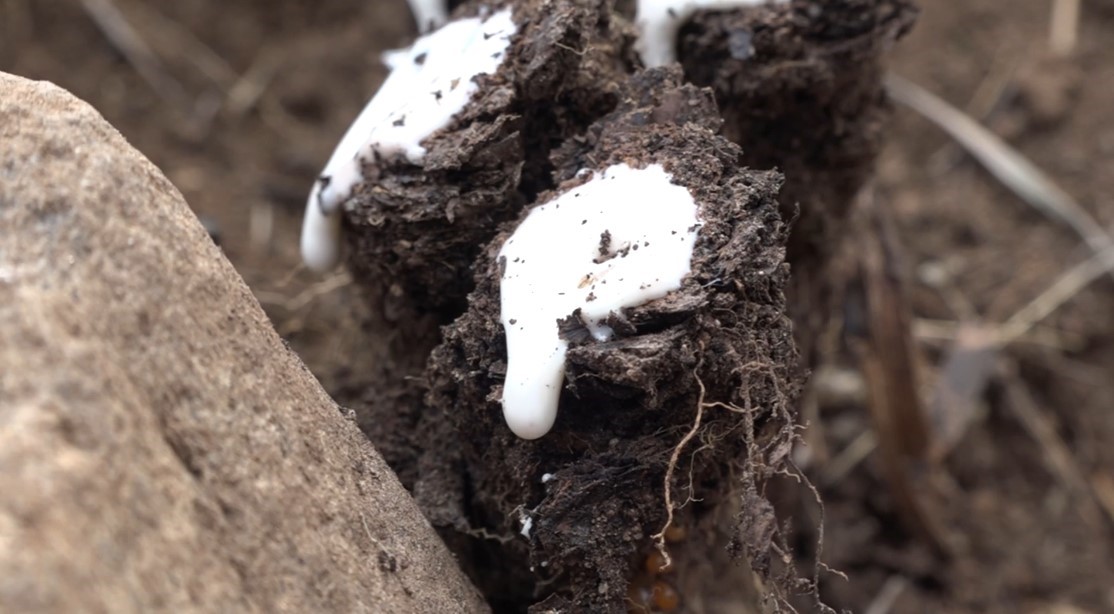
x=627 y=401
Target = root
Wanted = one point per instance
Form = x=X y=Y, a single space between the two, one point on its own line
x=659 y=537
x=819 y=566
x=694 y=430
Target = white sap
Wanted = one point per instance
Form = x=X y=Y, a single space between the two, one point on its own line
x=429 y=84
x=429 y=14
x=620 y=240
x=659 y=20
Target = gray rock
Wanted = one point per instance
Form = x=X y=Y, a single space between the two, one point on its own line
x=160 y=447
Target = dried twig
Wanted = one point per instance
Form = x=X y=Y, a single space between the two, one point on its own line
x=943 y=332
x=1057 y=455
x=848 y=458
x=307 y=296
x=1061 y=291
x=976 y=347
x=888 y=334
x=988 y=97
x=1011 y=168
x=171 y=34
x=1063 y=28
x=1103 y=487
x=879 y=334
x=249 y=88
x=883 y=602
x=124 y=37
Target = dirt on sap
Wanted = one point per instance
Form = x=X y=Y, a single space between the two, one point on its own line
x=471 y=476
x=591 y=493
x=302 y=71
x=415 y=232
x=418 y=228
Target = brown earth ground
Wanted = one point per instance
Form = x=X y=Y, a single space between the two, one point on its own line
x=255 y=94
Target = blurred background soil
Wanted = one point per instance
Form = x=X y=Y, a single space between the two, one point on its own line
x=240 y=103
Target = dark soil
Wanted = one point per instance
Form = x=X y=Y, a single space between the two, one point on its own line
x=246 y=163
x=629 y=399
x=420 y=227
x=799 y=86
x=435 y=253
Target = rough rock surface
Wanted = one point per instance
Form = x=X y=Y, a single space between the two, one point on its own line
x=160 y=447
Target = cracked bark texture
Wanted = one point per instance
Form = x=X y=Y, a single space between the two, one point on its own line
x=160 y=447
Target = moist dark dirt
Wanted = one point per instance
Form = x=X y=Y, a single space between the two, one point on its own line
x=417 y=229
x=413 y=237
x=415 y=234
x=248 y=169
x=724 y=337
x=799 y=86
